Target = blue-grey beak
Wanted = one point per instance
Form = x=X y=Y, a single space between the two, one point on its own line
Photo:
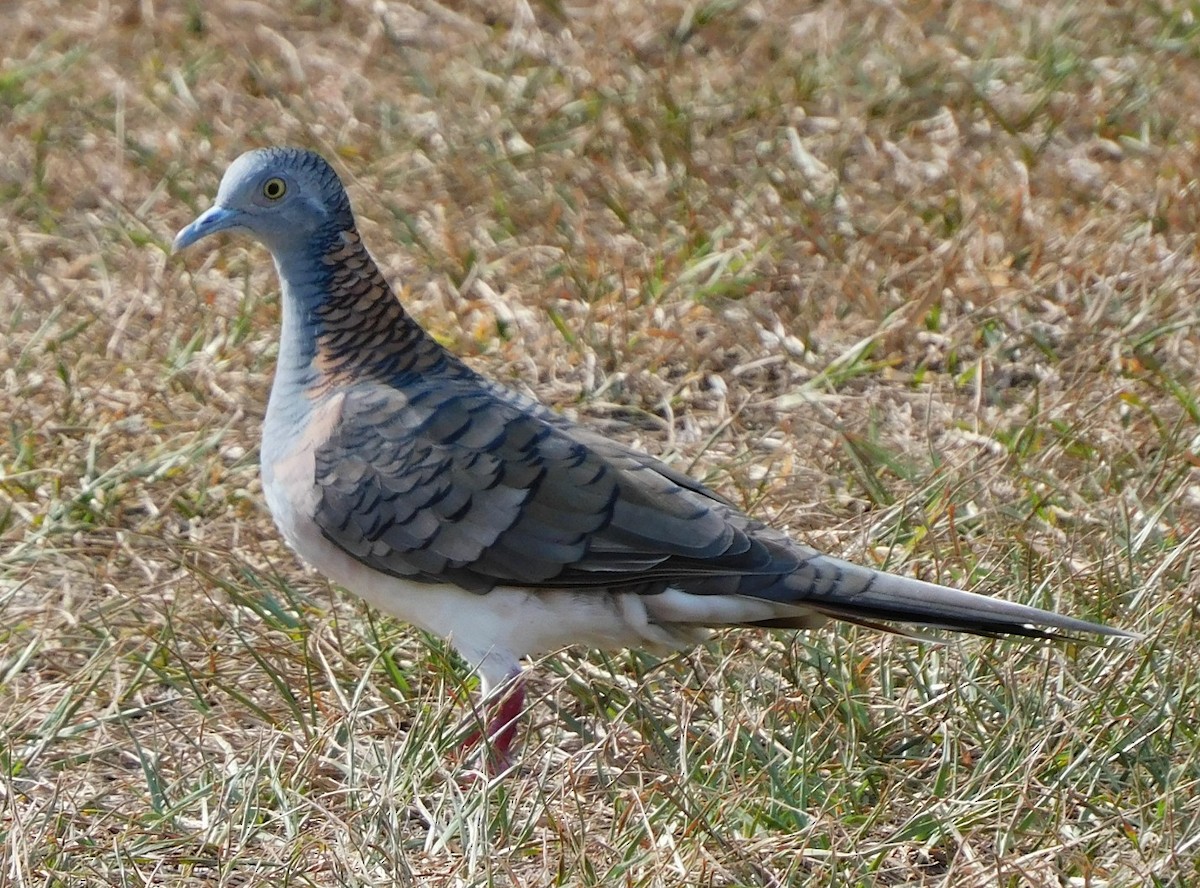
x=211 y=221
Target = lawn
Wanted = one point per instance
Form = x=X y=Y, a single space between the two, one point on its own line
x=917 y=282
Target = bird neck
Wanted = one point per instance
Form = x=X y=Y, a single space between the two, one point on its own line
x=342 y=322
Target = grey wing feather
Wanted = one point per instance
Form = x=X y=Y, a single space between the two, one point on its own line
x=456 y=484
x=451 y=485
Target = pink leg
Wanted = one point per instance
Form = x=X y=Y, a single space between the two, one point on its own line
x=500 y=724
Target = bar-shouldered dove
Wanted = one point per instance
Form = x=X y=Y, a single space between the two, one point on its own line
x=479 y=515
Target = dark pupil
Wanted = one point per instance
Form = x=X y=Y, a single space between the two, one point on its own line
x=274 y=188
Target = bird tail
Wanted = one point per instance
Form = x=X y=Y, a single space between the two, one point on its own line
x=856 y=594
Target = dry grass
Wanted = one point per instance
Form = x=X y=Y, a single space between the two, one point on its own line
x=918 y=281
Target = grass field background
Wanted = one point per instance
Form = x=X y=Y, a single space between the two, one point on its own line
x=918 y=282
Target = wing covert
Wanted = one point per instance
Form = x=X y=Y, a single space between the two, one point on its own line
x=452 y=483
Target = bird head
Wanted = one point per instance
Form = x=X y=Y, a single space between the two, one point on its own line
x=280 y=196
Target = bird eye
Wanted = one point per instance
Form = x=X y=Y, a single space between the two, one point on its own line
x=274 y=188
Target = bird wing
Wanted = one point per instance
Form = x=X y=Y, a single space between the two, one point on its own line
x=450 y=482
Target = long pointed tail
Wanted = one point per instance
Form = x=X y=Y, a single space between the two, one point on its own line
x=858 y=594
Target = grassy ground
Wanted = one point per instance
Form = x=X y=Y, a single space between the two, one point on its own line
x=917 y=281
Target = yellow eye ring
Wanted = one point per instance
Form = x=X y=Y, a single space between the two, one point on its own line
x=274 y=188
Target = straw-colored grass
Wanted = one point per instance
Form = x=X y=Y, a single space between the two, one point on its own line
x=918 y=282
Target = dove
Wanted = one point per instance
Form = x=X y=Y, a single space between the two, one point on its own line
x=479 y=515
